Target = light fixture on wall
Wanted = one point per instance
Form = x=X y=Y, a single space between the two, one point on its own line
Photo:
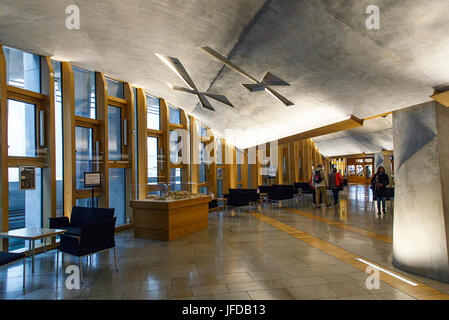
x=176 y=66
x=268 y=81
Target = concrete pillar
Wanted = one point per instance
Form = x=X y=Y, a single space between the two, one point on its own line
x=421 y=208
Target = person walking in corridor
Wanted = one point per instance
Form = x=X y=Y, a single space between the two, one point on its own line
x=320 y=184
x=335 y=184
x=379 y=185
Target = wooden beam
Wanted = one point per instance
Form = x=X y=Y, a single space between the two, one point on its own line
x=379 y=116
x=142 y=163
x=441 y=97
x=68 y=102
x=164 y=171
x=130 y=172
x=49 y=173
x=351 y=123
x=194 y=155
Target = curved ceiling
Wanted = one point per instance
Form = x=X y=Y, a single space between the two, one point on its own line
x=334 y=65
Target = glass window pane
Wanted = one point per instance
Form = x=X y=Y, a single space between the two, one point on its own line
x=117 y=193
x=174 y=115
x=202 y=165
x=218 y=151
x=175 y=179
x=174 y=147
x=25 y=207
x=152 y=160
x=203 y=190
x=84 y=93
x=59 y=140
x=87 y=202
x=153 y=113
x=21 y=129
x=23 y=69
x=115 y=88
x=202 y=130
x=115 y=133
x=219 y=188
x=84 y=154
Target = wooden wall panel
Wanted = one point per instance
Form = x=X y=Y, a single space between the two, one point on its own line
x=68 y=102
x=49 y=173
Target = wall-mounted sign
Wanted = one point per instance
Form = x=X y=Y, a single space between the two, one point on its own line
x=92 y=179
x=27 y=178
x=220 y=173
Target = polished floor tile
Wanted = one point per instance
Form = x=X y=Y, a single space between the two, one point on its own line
x=262 y=252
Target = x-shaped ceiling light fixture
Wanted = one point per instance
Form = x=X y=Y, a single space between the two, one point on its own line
x=267 y=82
x=176 y=66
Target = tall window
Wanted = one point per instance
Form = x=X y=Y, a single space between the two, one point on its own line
x=84 y=154
x=115 y=133
x=115 y=88
x=239 y=162
x=175 y=179
x=84 y=93
x=21 y=129
x=117 y=193
x=25 y=207
x=174 y=157
x=22 y=69
x=174 y=115
x=202 y=165
x=59 y=140
x=153 y=113
x=152 y=143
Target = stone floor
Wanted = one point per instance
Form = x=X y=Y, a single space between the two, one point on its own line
x=238 y=257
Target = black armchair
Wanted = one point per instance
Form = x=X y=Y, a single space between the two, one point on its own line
x=7 y=258
x=95 y=237
x=79 y=216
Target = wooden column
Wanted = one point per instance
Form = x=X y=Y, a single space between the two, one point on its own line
x=253 y=163
x=4 y=216
x=185 y=176
x=68 y=102
x=244 y=170
x=130 y=172
x=142 y=177
x=165 y=144
x=49 y=173
x=194 y=155
x=280 y=171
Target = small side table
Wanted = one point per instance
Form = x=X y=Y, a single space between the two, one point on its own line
x=31 y=235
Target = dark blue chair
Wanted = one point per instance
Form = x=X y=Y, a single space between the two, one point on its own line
x=79 y=216
x=7 y=258
x=95 y=237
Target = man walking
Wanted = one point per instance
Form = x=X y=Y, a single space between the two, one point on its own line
x=320 y=184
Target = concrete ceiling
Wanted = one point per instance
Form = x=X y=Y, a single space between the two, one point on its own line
x=375 y=135
x=336 y=67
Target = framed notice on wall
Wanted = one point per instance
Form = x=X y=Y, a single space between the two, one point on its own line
x=92 y=179
x=27 y=178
